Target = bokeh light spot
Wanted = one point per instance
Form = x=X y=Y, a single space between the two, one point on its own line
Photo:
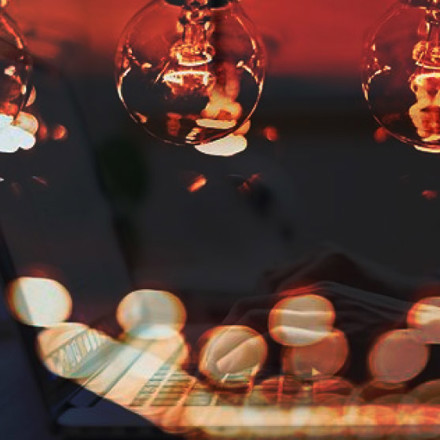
x=226 y=147
x=398 y=356
x=59 y=133
x=271 y=133
x=301 y=320
x=313 y=362
x=425 y=316
x=151 y=314
x=430 y=194
x=227 y=351
x=39 y=302
x=381 y=135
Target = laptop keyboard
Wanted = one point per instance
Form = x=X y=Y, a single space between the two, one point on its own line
x=169 y=387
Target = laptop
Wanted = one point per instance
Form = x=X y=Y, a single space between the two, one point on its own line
x=61 y=225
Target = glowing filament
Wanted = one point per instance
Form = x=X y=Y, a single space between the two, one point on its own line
x=189 y=81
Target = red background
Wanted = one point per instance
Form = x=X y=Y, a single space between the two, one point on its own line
x=311 y=37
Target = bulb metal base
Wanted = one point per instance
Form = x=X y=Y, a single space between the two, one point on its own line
x=211 y=4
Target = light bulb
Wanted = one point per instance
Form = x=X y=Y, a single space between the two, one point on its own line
x=401 y=73
x=15 y=69
x=190 y=71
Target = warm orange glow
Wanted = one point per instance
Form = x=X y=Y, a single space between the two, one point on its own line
x=381 y=135
x=271 y=133
x=333 y=391
x=361 y=421
x=281 y=390
x=313 y=362
x=284 y=408
x=59 y=133
x=427 y=392
x=226 y=147
x=425 y=113
x=151 y=314
x=232 y=355
x=197 y=184
x=32 y=97
x=184 y=82
x=398 y=356
x=27 y=122
x=301 y=320
x=246 y=186
x=39 y=302
x=375 y=390
x=430 y=194
x=425 y=316
x=217 y=124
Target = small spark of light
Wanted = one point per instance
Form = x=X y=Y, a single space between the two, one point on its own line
x=398 y=356
x=59 y=133
x=381 y=135
x=10 y=71
x=197 y=184
x=271 y=133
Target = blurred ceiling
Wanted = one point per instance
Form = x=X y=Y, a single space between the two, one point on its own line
x=305 y=37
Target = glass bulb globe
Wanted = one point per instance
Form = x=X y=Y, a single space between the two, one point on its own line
x=190 y=71
x=15 y=69
x=401 y=73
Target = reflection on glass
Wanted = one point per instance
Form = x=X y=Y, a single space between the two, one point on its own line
x=226 y=147
x=190 y=75
x=401 y=73
x=425 y=113
x=15 y=68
